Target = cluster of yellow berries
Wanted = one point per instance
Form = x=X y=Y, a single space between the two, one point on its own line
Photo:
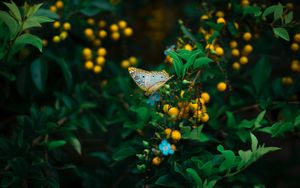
x=64 y=28
x=100 y=32
x=95 y=64
x=175 y=136
x=242 y=56
x=295 y=44
x=58 y=5
x=195 y=108
x=131 y=61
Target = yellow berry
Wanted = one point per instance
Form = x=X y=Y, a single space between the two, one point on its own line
x=193 y=106
x=56 y=39
x=122 y=24
x=59 y=4
x=114 y=27
x=102 y=23
x=166 y=108
x=102 y=33
x=220 y=14
x=175 y=135
x=156 y=161
x=67 y=26
x=236 y=66
x=245 y=3
x=221 y=20
x=56 y=24
x=87 y=53
x=89 y=65
x=173 y=147
x=204 y=118
x=248 y=49
x=53 y=8
x=90 y=21
x=287 y=80
x=173 y=112
x=295 y=66
x=294 y=47
x=97 y=69
x=297 y=37
x=115 y=35
x=128 y=31
x=290 y=6
x=133 y=60
x=219 y=51
x=97 y=42
x=188 y=47
x=204 y=17
x=63 y=35
x=45 y=42
x=205 y=96
x=233 y=44
x=88 y=32
x=167 y=131
x=247 y=36
x=244 y=60
x=101 y=52
x=100 y=60
x=125 y=64
x=221 y=86
x=236 y=25
x=235 y=52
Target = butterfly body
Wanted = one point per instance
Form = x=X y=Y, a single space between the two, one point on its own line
x=149 y=81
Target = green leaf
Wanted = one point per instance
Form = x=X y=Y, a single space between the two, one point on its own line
x=264 y=150
x=177 y=63
x=30 y=39
x=10 y=22
x=207 y=168
x=252 y=10
x=39 y=73
x=167 y=180
x=229 y=159
x=209 y=184
x=254 y=142
x=186 y=32
x=55 y=144
x=230 y=119
x=232 y=29
x=75 y=143
x=32 y=9
x=123 y=153
x=197 y=180
x=259 y=118
x=260 y=75
x=281 y=32
x=297 y=120
x=213 y=37
x=46 y=13
x=269 y=10
x=14 y=10
x=289 y=17
x=202 y=61
x=278 y=11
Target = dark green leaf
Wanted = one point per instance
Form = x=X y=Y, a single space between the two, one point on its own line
x=269 y=10
x=14 y=10
x=259 y=119
x=254 y=142
x=278 y=11
x=197 y=180
x=261 y=74
x=177 y=63
x=29 y=39
x=281 y=32
x=39 y=73
x=55 y=144
x=202 y=61
x=289 y=17
x=123 y=153
x=10 y=22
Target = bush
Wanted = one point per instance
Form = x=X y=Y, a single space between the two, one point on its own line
x=228 y=82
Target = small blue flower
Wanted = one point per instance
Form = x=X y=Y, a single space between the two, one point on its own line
x=153 y=99
x=165 y=147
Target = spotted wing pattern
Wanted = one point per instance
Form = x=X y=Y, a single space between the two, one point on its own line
x=149 y=81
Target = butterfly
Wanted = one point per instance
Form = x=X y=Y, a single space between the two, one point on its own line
x=149 y=81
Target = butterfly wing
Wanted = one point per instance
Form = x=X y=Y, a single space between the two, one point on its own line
x=141 y=77
x=157 y=80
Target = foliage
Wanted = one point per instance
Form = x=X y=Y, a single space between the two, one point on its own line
x=71 y=114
